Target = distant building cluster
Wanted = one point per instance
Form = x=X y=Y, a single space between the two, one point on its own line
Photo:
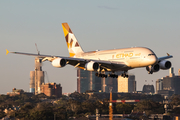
x=18 y=92
x=86 y=80
x=169 y=85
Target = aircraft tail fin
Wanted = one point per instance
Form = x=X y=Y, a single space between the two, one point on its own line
x=72 y=43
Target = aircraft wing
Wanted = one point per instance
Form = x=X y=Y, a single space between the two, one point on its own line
x=165 y=57
x=107 y=65
x=79 y=62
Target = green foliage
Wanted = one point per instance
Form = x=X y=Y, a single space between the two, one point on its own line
x=76 y=105
x=124 y=108
x=150 y=107
x=175 y=100
x=2 y=114
x=60 y=113
x=79 y=96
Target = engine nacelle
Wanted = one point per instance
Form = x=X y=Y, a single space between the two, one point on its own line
x=165 y=64
x=92 y=66
x=59 y=62
x=153 y=68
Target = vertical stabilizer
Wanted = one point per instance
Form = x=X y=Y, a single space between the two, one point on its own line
x=72 y=43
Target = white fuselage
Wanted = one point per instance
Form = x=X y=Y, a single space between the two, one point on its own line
x=132 y=57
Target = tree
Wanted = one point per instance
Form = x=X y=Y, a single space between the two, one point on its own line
x=73 y=106
x=42 y=111
x=124 y=108
x=60 y=113
x=175 y=100
x=79 y=96
x=88 y=106
x=2 y=114
x=150 y=107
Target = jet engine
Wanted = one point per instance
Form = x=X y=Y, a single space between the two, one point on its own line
x=153 y=68
x=164 y=64
x=59 y=62
x=92 y=66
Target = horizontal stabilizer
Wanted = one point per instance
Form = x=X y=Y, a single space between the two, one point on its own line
x=7 y=51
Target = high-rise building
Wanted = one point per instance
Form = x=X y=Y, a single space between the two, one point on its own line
x=36 y=77
x=127 y=85
x=109 y=83
x=86 y=80
x=171 y=72
x=159 y=84
x=32 y=81
x=168 y=83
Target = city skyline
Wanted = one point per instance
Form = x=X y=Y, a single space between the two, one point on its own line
x=96 y=24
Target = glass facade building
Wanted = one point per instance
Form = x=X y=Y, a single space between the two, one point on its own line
x=86 y=80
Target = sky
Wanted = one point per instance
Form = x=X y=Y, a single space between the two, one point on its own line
x=97 y=25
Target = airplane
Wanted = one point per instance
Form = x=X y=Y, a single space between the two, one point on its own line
x=104 y=61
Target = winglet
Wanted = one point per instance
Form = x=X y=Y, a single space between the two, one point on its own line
x=168 y=54
x=7 y=51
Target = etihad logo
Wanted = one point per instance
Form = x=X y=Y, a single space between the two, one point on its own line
x=122 y=55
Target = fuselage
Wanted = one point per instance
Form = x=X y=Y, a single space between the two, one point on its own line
x=132 y=57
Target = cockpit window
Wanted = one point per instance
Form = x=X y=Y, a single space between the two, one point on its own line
x=150 y=54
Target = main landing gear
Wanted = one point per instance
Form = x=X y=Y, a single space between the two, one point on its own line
x=112 y=75
x=124 y=75
x=105 y=76
x=101 y=75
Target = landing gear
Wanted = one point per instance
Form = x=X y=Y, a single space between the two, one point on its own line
x=105 y=76
x=113 y=75
x=150 y=72
x=124 y=74
x=101 y=75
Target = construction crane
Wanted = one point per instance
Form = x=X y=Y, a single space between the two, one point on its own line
x=116 y=101
x=110 y=106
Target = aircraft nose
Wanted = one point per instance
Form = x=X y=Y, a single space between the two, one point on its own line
x=154 y=60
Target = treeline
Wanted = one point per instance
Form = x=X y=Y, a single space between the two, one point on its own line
x=77 y=105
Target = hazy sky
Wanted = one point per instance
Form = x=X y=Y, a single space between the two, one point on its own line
x=97 y=24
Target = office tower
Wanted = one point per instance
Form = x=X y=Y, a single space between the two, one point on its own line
x=109 y=83
x=127 y=85
x=86 y=80
x=171 y=72
x=159 y=84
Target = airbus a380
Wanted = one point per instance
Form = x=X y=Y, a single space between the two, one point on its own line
x=105 y=60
